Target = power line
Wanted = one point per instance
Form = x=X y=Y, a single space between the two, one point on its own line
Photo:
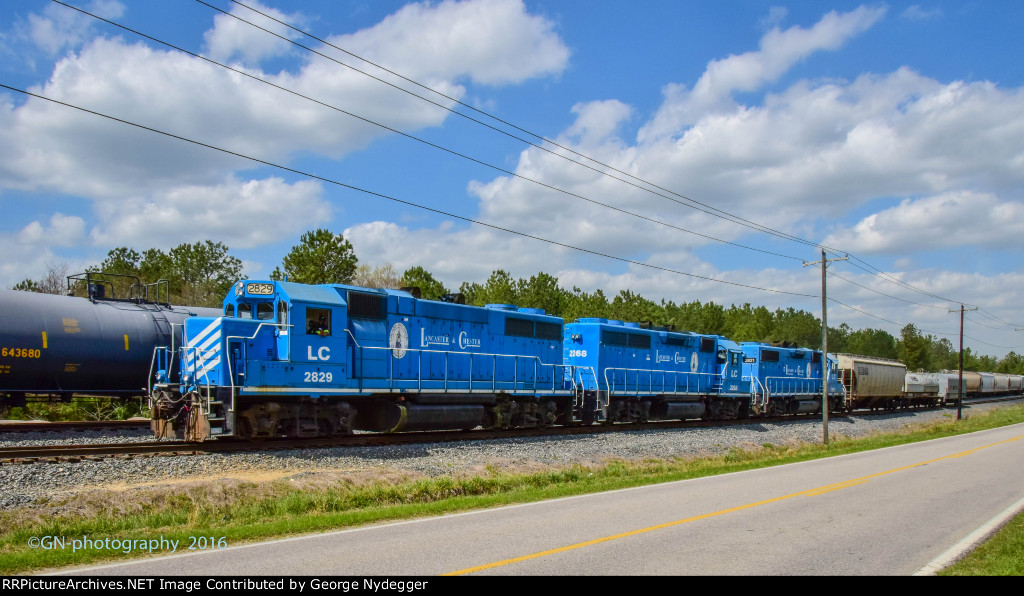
x=730 y=217
x=423 y=141
x=703 y=207
x=395 y=199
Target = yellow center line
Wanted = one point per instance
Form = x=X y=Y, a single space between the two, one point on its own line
x=808 y=493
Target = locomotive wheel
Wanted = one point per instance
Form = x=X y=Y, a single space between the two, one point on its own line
x=243 y=428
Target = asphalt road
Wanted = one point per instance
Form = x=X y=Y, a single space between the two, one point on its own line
x=887 y=512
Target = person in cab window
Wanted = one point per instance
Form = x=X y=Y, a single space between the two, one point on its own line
x=319 y=327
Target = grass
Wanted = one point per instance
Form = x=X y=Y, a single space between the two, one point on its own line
x=80 y=408
x=231 y=512
x=1003 y=555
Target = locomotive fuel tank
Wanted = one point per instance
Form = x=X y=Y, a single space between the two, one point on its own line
x=63 y=345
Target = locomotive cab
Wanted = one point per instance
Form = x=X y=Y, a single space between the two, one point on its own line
x=289 y=359
x=626 y=373
x=788 y=380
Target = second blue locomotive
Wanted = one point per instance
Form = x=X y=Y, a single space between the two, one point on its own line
x=288 y=359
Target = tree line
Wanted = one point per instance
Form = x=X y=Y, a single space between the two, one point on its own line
x=201 y=274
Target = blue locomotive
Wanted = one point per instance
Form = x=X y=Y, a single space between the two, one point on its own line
x=634 y=374
x=288 y=359
x=304 y=360
x=787 y=380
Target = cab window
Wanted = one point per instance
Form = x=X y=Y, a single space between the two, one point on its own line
x=318 y=321
x=229 y=310
x=265 y=311
x=244 y=311
x=282 y=313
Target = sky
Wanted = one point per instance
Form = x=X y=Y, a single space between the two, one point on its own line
x=683 y=150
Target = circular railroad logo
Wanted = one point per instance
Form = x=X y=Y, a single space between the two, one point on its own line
x=399 y=340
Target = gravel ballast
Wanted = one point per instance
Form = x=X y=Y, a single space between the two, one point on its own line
x=25 y=484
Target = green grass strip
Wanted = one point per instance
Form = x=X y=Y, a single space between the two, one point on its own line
x=235 y=512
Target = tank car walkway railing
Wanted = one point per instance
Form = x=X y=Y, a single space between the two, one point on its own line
x=636 y=381
x=528 y=373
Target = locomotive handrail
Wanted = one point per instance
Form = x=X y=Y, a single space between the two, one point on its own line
x=572 y=376
x=205 y=373
x=783 y=385
x=227 y=354
x=535 y=379
x=152 y=360
x=756 y=382
x=611 y=387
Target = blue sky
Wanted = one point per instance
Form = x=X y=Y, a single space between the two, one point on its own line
x=893 y=131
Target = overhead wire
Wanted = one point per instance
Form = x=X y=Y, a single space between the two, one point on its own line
x=703 y=207
x=424 y=141
x=395 y=199
x=723 y=214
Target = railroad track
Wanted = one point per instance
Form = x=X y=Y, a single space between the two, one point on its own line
x=78 y=453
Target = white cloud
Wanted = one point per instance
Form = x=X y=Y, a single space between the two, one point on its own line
x=809 y=153
x=779 y=51
x=241 y=214
x=919 y=13
x=493 y=42
x=64 y=230
x=232 y=39
x=60 y=27
x=28 y=253
x=140 y=181
x=950 y=219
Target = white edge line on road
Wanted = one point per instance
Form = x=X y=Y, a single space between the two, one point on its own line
x=960 y=549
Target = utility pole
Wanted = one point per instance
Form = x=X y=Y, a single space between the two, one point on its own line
x=824 y=343
x=960 y=396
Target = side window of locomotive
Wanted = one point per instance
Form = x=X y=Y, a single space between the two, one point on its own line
x=318 y=321
x=722 y=359
x=244 y=311
x=265 y=311
x=229 y=310
x=282 y=313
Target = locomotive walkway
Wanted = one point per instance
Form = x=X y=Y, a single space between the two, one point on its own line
x=893 y=511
